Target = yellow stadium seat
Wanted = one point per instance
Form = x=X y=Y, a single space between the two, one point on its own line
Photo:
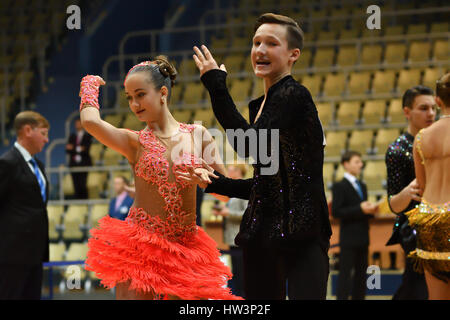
x=336 y=143
x=206 y=116
x=323 y=58
x=348 y=113
x=352 y=33
x=206 y=210
x=371 y=54
x=121 y=99
x=361 y=141
x=95 y=184
x=384 y=138
x=219 y=43
x=76 y=252
x=175 y=95
x=371 y=33
x=359 y=83
x=258 y=88
x=74 y=218
x=312 y=83
x=303 y=62
x=127 y=174
x=241 y=42
x=327 y=35
x=325 y=111
x=347 y=56
x=194 y=93
x=133 y=123
x=430 y=76
x=395 y=53
x=111 y=157
x=374 y=111
x=95 y=151
x=55 y=213
x=419 y=51
x=339 y=175
x=317 y=25
x=441 y=51
x=328 y=171
x=240 y=89
x=334 y=85
x=98 y=211
x=57 y=251
x=187 y=67
x=114 y=119
x=408 y=79
x=234 y=62
x=182 y=115
x=375 y=175
x=417 y=28
x=68 y=188
x=383 y=81
x=394 y=30
x=438 y=27
x=246 y=114
x=248 y=67
x=395 y=112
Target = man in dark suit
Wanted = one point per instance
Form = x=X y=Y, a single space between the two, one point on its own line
x=23 y=210
x=121 y=204
x=78 y=147
x=350 y=205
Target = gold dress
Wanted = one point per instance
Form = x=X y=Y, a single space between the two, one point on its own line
x=432 y=222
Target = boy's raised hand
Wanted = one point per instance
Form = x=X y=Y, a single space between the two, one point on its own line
x=205 y=61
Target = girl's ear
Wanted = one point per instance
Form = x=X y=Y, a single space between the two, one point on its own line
x=164 y=92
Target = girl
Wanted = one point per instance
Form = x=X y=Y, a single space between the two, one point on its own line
x=432 y=217
x=158 y=251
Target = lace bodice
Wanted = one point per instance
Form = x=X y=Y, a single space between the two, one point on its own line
x=159 y=192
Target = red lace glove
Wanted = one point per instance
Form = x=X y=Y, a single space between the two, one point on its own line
x=89 y=88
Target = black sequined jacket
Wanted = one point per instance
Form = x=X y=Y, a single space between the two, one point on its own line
x=400 y=172
x=288 y=207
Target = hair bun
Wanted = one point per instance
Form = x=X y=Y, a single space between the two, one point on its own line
x=166 y=68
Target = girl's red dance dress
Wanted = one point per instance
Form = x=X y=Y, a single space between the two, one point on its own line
x=158 y=248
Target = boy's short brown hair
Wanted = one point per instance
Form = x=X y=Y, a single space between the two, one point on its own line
x=32 y=118
x=294 y=34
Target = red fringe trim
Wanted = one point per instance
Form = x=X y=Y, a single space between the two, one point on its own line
x=120 y=251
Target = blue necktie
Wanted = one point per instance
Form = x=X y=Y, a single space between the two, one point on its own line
x=359 y=189
x=39 y=178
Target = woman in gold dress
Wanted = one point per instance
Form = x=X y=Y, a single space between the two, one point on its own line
x=431 y=218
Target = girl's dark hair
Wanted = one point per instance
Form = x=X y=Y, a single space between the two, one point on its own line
x=443 y=89
x=161 y=71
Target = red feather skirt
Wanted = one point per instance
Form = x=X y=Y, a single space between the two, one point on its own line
x=122 y=251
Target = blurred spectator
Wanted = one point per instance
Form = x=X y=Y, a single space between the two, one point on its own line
x=121 y=204
x=232 y=214
x=78 y=147
x=350 y=205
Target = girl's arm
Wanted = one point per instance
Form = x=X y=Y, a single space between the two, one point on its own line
x=121 y=140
